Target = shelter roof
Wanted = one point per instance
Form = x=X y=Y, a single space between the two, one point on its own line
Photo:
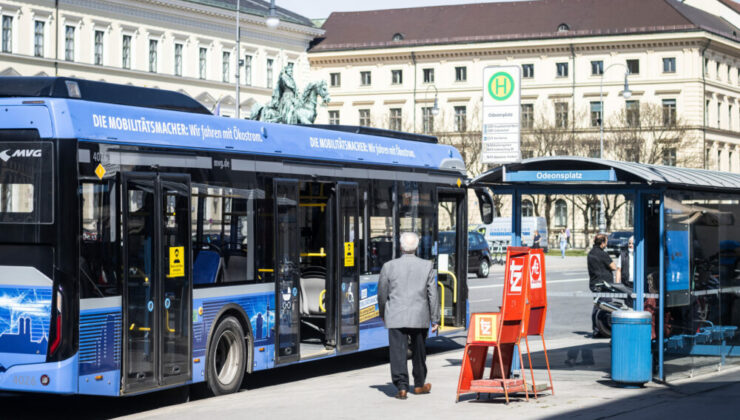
x=519 y=20
x=669 y=176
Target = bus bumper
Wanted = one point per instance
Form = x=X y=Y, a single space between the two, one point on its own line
x=60 y=377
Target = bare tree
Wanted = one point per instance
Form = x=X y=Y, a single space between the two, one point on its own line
x=652 y=134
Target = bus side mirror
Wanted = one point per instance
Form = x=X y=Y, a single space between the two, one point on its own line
x=485 y=203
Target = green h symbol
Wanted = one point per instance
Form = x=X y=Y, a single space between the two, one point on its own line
x=500 y=83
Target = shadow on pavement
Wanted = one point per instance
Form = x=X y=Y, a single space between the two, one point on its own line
x=35 y=406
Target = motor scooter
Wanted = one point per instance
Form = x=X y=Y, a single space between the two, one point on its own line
x=606 y=305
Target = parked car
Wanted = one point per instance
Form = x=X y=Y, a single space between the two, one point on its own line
x=617 y=241
x=479 y=257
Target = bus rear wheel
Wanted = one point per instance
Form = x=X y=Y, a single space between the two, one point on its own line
x=226 y=358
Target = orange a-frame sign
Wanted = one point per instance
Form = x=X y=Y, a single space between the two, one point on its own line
x=500 y=330
x=536 y=310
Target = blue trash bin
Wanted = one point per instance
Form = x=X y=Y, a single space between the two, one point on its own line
x=631 y=353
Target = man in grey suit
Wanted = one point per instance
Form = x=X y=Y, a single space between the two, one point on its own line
x=407 y=299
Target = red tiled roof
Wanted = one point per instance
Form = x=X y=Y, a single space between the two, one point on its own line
x=511 y=21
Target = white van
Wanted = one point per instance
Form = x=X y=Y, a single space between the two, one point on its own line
x=500 y=231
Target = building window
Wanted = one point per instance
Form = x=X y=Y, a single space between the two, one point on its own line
x=461 y=119
x=428 y=75
x=527 y=115
x=594 y=214
x=153 y=55
x=7 y=34
x=597 y=68
x=335 y=79
x=562 y=69
x=669 y=156
x=632 y=113
x=334 y=117
x=225 y=66
x=69 y=43
x=729 y=161
x=527 y=208
x=561 y=213
x=126 y=52
x=729 y=117
x=178 y=59
x=706 y=67
x=270 y=62
x=38 y=38
x=365 y=117
x=461 y=74
x=629 y=213
x=427 y=119
x=719 y=159
x=396 y=77
x=596 y=114
x=669 y=65
x=669 y=112
x=395 y=119
x=248 y=70
x=202 y=64
x=561 y=114
x=365 y=78
x=633 y=66
x=99 y=48
x=527 y=71
x=719 y=113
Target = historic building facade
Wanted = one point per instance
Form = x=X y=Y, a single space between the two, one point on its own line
x=183 y=45
x=392 y=68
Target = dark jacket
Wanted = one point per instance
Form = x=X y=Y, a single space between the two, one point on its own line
x=624 y=256
x=599 y=271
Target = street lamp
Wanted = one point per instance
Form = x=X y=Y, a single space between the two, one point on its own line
x=272 y=21
x=626 y=94
x=435 y=108
x=237 y=106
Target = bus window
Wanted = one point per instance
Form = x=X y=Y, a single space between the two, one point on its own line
x=98 y=247
x=416 y=214
x=264 y=245
x=26 y=180
x=380 y=204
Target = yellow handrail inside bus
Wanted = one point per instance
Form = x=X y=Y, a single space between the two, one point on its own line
x=321 y=253
x=454 y=284
x=167 y=316
x=266 y=270
x=322 y=303
x=442 y=305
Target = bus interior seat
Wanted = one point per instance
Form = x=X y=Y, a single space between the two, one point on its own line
x=236 y=268
x=312 y=283
x=206 y=267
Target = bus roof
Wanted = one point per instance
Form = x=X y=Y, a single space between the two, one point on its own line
x=123 y=124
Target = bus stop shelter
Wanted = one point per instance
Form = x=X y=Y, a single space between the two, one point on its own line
x=687 y=247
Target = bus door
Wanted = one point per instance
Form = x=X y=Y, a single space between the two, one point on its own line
x=157 y=294
x=287 y=271
x=347 y=262
x=452 y=261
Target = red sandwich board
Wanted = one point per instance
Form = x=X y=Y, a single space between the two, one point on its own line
x=500 y=330
x=536 y=311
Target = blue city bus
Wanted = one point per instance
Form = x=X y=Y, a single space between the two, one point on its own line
x=147 y=244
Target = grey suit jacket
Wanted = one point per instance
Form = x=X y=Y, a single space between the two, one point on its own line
x=407 y=293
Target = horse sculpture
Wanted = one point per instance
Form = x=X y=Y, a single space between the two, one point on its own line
x=301 y=111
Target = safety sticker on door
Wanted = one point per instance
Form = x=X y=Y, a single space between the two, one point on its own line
x=349 y=254
x=177 y=261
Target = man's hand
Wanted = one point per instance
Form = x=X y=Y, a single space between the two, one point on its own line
x=435 y=327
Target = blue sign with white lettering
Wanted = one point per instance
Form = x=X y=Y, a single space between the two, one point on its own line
x=560 y=176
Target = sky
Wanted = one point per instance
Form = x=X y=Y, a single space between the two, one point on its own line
x=317 y=9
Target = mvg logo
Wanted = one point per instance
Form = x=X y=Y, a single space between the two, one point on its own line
x=20 y=153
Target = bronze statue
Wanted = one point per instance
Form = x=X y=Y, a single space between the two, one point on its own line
x=286 y=106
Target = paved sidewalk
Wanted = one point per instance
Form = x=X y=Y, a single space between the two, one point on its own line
x=362 y=390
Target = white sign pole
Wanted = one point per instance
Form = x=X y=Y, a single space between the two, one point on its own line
x=501 y=115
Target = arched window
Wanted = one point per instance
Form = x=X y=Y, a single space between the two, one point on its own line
x=527 y=208
x=561 y=213
x=563 y=27
x=398 y=36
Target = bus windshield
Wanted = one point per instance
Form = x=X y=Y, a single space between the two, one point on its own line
x=26 y=174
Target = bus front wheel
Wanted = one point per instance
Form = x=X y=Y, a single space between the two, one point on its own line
x=227 y=357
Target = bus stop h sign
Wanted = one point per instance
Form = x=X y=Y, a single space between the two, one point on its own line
x=501 y=114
